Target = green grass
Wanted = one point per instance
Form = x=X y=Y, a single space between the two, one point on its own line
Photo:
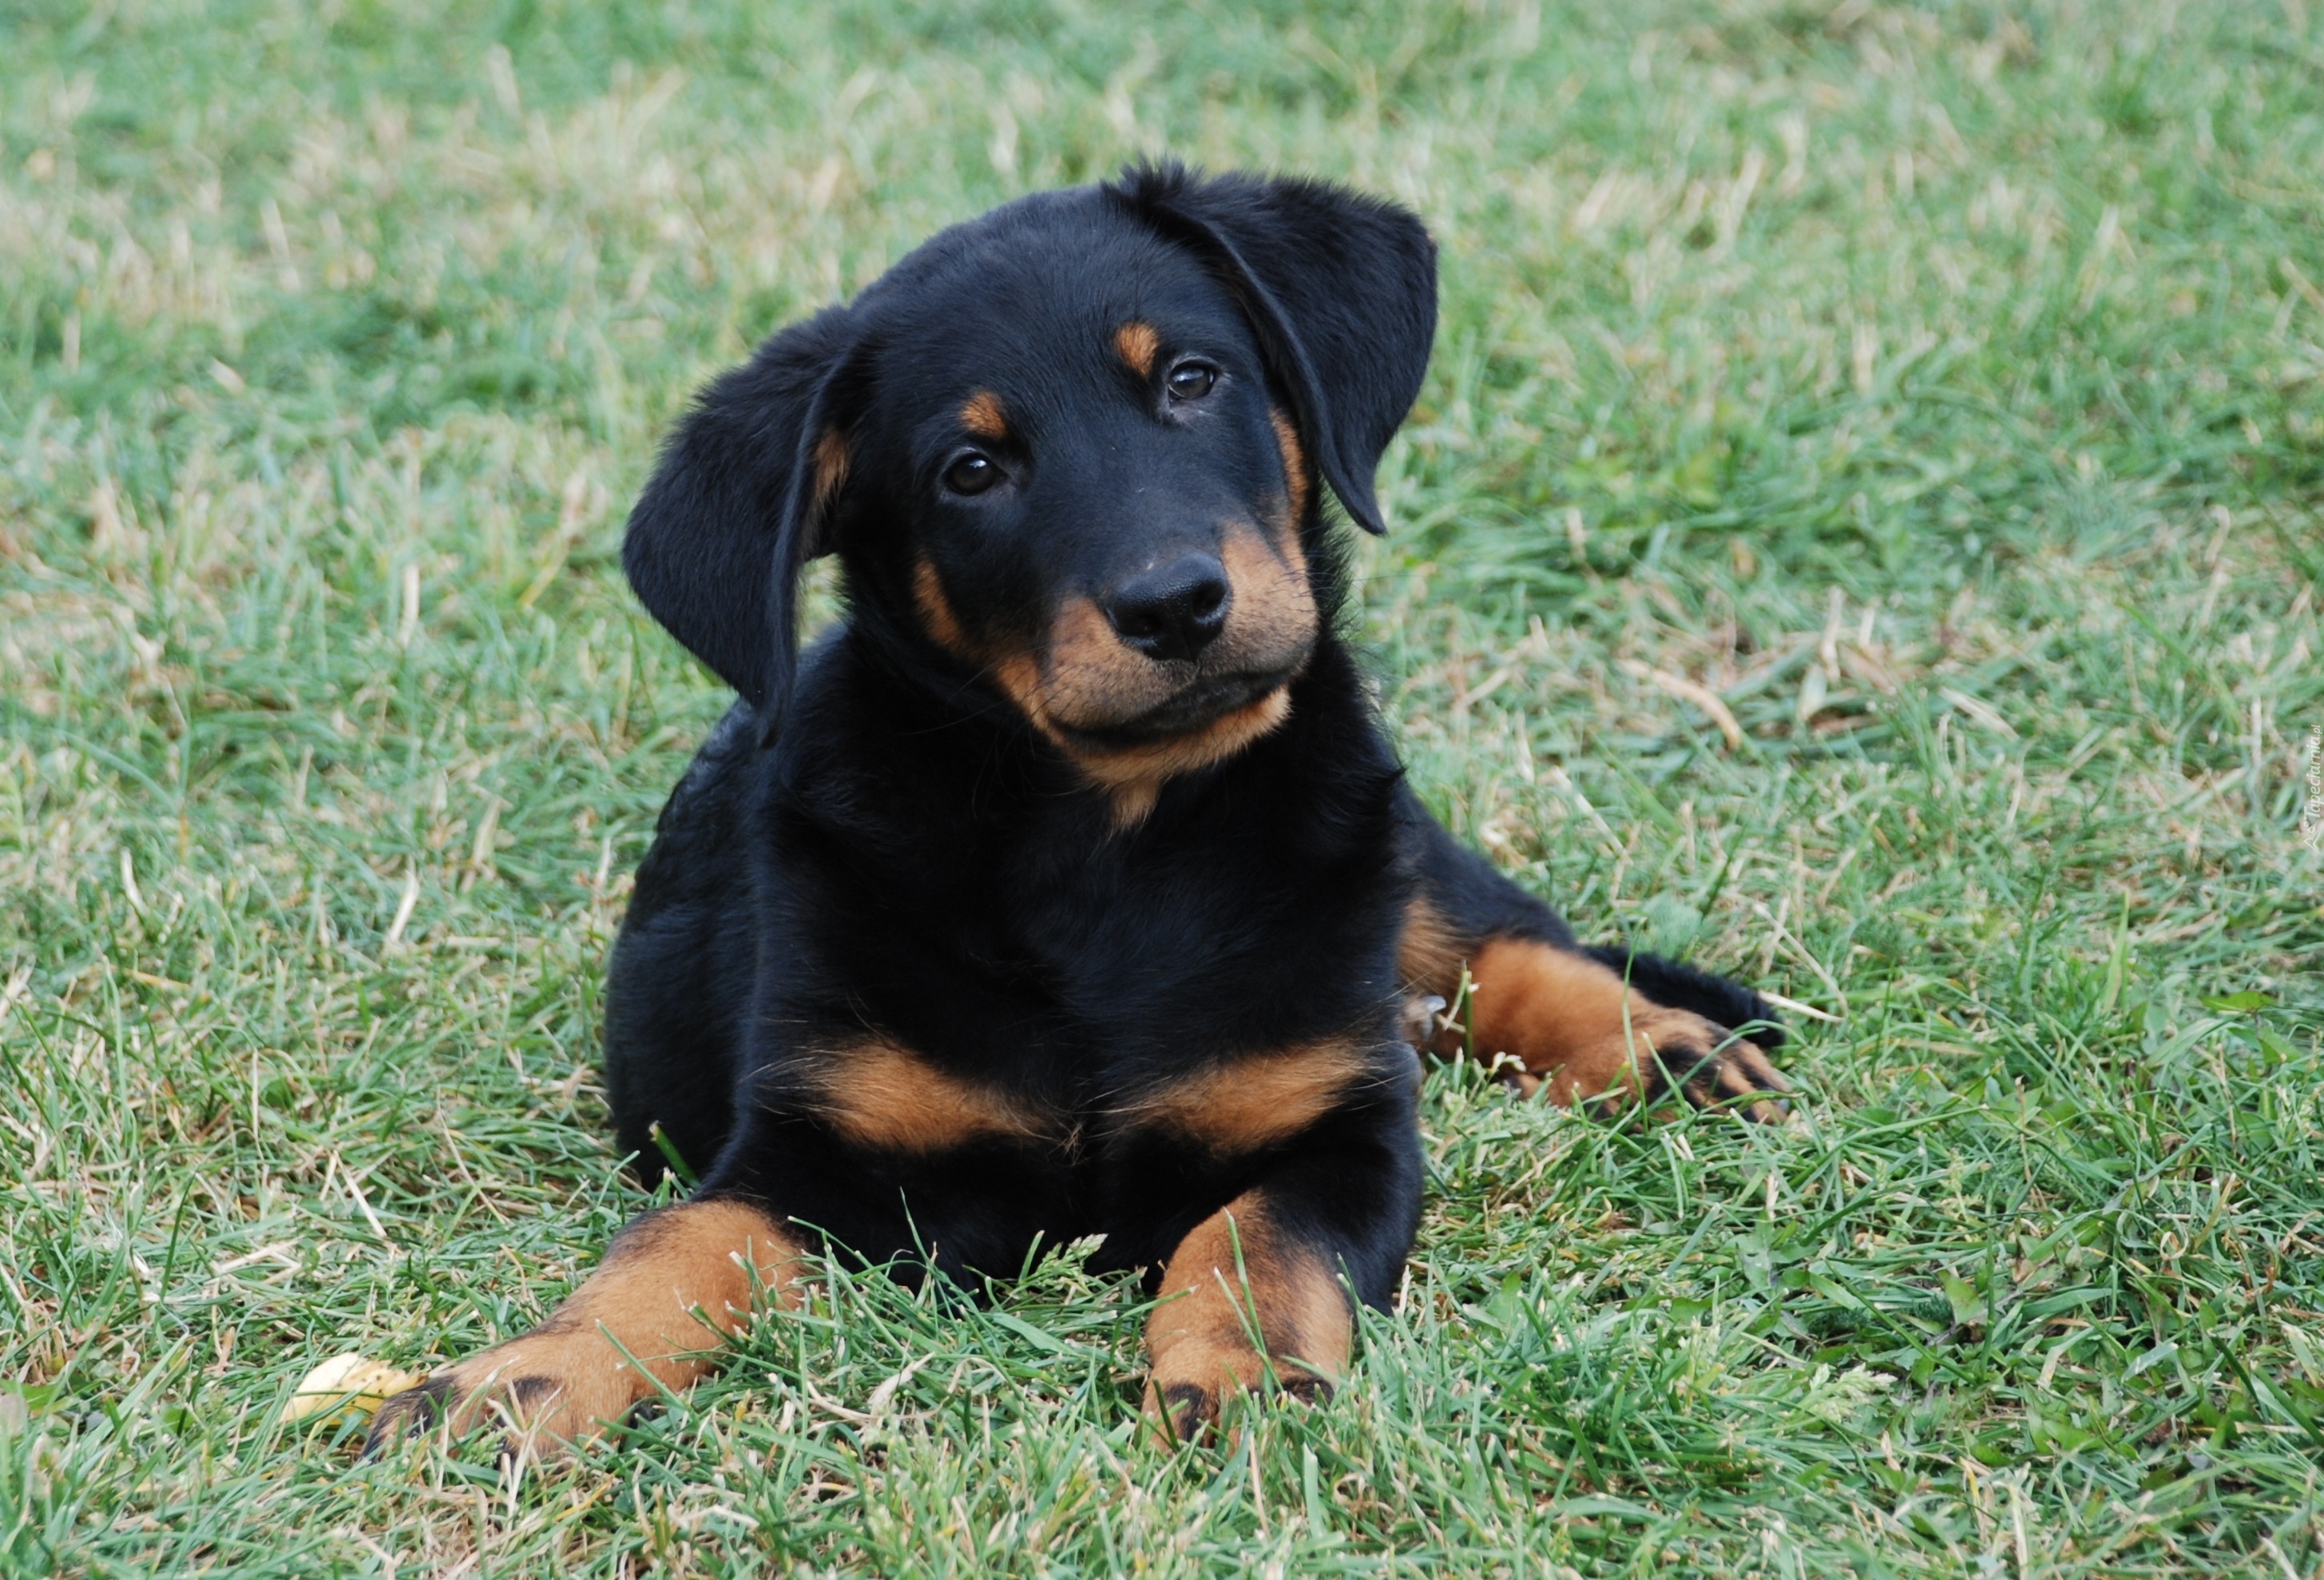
x=1940 y=387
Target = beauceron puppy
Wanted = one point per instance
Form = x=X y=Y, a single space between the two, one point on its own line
x=1068 y=886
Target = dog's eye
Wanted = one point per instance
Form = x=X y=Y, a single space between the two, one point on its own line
x=972 y=473
x=1191 y=381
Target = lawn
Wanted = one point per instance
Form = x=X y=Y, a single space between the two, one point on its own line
x=1861 y=530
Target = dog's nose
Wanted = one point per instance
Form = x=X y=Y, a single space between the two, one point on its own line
x=1176 y=612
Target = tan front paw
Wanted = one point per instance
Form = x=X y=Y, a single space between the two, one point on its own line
x=544 y=1392
x=1712 y=1068
x=673 y=1285
x=1562 y=1023
x=1188 y=1387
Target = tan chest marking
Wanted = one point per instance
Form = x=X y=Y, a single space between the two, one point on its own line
x=882 y=1095
x=1249 y=1104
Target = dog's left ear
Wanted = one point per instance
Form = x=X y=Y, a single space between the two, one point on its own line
x=1341 y=289
x=740 y=502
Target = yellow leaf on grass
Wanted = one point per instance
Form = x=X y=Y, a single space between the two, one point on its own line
x=349 y=1383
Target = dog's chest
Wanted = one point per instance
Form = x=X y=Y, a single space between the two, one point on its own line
x=1014 y=938
x=1186 y=949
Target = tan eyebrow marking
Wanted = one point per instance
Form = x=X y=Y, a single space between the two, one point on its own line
x=981 y=415
x=1140 y=345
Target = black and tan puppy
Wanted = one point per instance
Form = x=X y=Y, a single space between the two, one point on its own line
x=1069 y=887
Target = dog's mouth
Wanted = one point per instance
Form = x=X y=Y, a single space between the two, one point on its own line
x=1119 y=710
x=1190 y=710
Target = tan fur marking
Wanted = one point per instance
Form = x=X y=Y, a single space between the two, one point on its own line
x=1089 y=678
x=1294 y=465
x=1252 y=1103
x=1198 y=1338
x=1139 y=344
x=1134 y=777
x=982 y=416
x=1272 y=598
x=1019 y=675
x=1430 y=954
x=1570 y=1021
x=937 y=617
x=673 y=1287
x=831 y=461
x=1091 y=675
x=880 y=1095
x=1086 y=679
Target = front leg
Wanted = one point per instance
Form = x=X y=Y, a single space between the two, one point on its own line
x=1587 y=1025
x=1258 y=1294
x=1575 y=1027
x=675 y=1284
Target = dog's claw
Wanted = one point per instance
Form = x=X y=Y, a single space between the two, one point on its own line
x=411 y=1413
x=1422 y=1019
x=1737 y=1076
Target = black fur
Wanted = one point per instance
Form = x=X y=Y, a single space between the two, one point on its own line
x=880 y=842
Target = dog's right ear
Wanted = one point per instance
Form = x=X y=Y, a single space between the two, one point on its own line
x=737 y=507
x=1340 y=288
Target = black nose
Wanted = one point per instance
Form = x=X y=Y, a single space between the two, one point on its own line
x=1176 y=612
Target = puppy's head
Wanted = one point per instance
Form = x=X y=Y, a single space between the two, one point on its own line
x=1071 y=448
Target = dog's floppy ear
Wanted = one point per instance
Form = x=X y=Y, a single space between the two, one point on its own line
x=737 y=507
x=1341 y=288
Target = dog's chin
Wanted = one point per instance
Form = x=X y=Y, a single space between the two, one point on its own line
x=1189 y=711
